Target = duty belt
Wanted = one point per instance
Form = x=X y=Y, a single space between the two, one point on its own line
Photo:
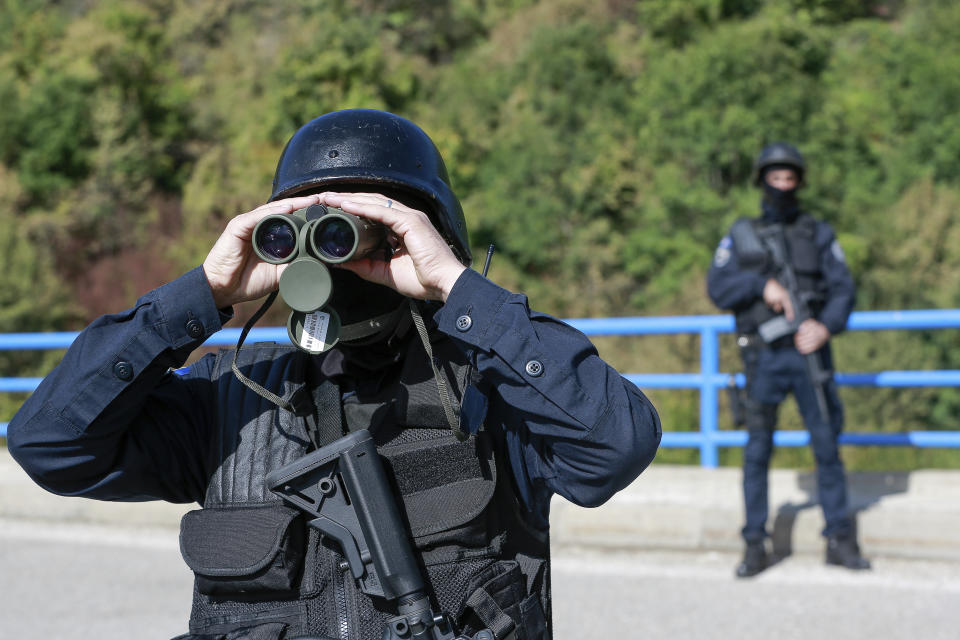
x=754 y=341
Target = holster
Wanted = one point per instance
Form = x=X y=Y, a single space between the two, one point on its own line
x=750 y=345
x=735 y=396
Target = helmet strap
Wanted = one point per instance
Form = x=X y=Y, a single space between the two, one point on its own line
x=371 y=326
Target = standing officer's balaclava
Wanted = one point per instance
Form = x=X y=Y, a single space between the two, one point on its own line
x=779 y=205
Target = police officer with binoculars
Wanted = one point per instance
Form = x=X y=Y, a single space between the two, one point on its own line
x=478 y=410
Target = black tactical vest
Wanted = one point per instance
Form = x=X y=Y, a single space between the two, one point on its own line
x=804 y=257
x=262 y=574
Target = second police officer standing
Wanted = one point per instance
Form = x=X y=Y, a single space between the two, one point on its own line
x=753 y=268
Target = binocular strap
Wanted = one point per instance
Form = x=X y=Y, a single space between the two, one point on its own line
x=356 y=331
x=250 y=384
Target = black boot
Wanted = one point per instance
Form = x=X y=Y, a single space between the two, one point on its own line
x=845 y=552
x=754 y=560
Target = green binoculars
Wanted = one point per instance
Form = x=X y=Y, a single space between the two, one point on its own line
x=308 y=238
x=321 y=232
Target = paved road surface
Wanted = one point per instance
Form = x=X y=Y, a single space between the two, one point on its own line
x=695 y=596
x=79 y=582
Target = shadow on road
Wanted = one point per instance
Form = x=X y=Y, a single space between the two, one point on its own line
x=865 y=490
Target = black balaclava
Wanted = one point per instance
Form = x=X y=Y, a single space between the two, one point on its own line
x=356 y=300
x=779 y=206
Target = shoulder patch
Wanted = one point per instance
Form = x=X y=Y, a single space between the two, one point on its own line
x=837 y=252
x=722 y=255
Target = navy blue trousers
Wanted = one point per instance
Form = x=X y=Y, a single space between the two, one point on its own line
x=772 y=373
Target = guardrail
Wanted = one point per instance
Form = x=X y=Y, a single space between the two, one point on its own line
x=708 y=439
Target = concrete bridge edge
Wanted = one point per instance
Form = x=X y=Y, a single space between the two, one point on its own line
x=907 y=515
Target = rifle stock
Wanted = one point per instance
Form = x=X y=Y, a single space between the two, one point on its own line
x=344 y=487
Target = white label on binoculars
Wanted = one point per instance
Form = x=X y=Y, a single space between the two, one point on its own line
x=314 y=335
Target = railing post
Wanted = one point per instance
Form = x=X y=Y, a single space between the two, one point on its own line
x=709 y=363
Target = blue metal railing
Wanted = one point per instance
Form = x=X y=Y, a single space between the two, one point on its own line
x=709 y=381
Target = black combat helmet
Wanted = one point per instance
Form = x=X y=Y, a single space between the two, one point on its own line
x=371 y=150
x=778 y=153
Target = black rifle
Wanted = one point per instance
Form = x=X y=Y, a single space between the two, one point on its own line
x=344 y=487
x=776 y=328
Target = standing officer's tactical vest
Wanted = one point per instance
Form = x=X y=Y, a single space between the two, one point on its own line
x=262 y=574
x=804 y=257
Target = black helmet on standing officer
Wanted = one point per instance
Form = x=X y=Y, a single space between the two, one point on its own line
x=778 y=155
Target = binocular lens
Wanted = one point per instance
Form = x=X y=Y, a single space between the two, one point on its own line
x=335 y=238
x=277 y=239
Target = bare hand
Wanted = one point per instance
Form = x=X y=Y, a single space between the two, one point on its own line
x=232 y=268
x=778 y=298
x=811 y=335
x=423 y=265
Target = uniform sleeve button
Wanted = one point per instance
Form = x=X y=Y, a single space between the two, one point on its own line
x=123 y=370
x=464 y=323
x=534 y=368
x=194 y=328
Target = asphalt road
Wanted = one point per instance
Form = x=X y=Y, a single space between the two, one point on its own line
x=79 y=582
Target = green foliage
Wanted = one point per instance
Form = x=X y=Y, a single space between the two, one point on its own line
x=605 y=147
x=51 y=149
x=30 y=295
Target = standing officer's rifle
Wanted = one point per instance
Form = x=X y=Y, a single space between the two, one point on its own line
x=778 y=327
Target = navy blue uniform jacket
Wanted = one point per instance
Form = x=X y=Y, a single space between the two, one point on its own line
x=733 y=288
x=113 y=421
